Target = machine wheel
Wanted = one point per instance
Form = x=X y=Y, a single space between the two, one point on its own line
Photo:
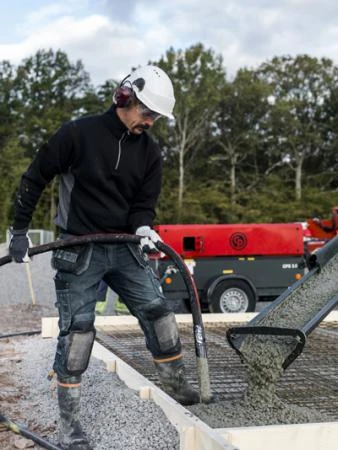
x=232 y=296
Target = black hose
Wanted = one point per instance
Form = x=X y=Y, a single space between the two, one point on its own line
x=198 y=328
x=77 y=240
x=23 y=431
x=199 y=334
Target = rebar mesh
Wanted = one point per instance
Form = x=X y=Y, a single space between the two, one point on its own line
x=311 y=380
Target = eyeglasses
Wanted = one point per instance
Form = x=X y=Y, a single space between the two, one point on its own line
x=148 y=113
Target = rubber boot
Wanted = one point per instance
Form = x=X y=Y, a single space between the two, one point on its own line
x=173 y=381
x=71 y=436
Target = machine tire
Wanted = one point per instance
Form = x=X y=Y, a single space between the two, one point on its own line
x=232 y=296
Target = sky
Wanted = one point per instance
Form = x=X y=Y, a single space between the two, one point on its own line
x=112 y=36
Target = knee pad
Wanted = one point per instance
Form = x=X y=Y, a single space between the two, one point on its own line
x=154 y=310
x=74 y=352
x=166 y=331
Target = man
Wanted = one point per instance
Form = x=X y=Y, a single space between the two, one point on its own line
x=110 y=180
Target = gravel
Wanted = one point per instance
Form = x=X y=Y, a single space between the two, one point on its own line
x=112 y=415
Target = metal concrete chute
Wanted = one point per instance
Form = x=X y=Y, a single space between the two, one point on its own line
x=322 y=256
x=287 y=322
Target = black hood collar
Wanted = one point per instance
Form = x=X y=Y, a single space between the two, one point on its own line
x=114 y=123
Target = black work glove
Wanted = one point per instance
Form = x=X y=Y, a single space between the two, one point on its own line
x=19 y=245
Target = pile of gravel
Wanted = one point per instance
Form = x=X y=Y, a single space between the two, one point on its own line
x=113 y=416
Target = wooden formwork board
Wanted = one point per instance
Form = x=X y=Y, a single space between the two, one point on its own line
x=50 y=324
x=307 y=436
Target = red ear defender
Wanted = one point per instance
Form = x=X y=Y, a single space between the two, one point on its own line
x=123 y=96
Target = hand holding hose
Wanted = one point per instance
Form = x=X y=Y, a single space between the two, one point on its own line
x=149 y=239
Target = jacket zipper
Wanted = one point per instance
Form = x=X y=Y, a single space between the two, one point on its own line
x=120 y=150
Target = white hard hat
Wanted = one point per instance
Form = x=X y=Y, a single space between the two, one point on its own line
x=153 y=88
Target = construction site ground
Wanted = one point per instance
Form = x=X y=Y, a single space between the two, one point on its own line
x=22 y=317
x=113 y=415
x=28 y=295
x=15 y=319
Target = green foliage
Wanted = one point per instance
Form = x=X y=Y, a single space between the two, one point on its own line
x=49 y=90
x=236 y=152
x=12 y=164
x=198 y=76
x=300 y=117
x=272 y=202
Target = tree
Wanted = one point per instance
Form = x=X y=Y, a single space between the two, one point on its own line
x=10 y=154
x=7 y=99
x=50 y=90
x=12 y=164
x=239 y=122
x=198 y=76
x=301 y=87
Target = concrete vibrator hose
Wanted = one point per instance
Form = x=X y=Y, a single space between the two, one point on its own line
x=23 y=431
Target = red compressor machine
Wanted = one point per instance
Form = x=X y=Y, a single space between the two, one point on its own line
x=233 y=265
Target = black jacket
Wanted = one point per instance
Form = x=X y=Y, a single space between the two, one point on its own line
x=110 y=180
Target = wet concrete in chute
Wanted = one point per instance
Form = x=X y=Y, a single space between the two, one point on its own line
x=263 y=358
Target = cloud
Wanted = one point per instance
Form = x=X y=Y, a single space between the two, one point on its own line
x=45 y=14
x=111 y=37
x=103 y=45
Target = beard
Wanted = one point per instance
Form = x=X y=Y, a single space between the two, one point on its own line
x=139 y=128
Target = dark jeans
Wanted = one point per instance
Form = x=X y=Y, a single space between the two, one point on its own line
x=126 y=270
